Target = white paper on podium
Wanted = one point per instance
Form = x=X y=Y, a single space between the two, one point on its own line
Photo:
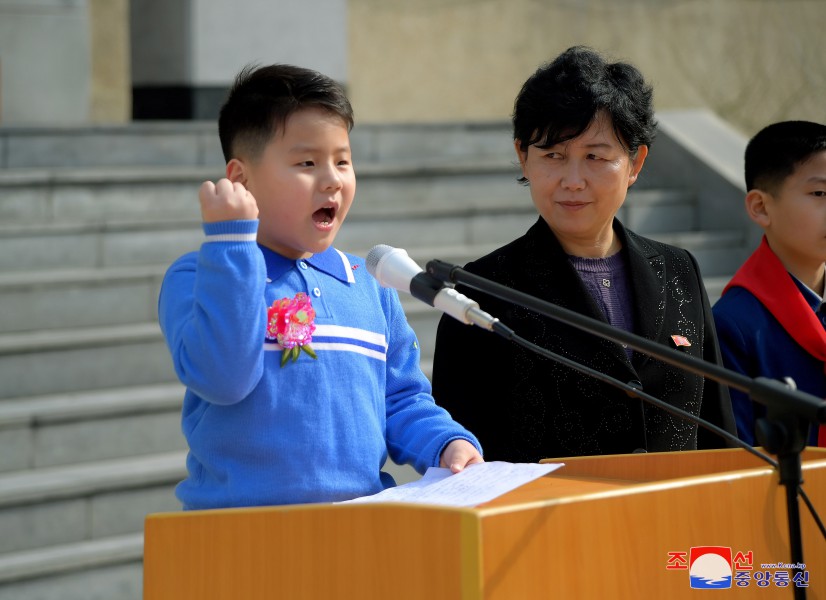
x=476 y=484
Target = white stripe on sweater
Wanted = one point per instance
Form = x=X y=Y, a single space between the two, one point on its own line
x=348 y=268
x=231 y=237
x=339 y=331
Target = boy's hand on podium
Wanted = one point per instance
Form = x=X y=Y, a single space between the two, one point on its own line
x=226 y=201
x=458 y=454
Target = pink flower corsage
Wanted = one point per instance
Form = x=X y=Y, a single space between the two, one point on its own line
x=291 y=323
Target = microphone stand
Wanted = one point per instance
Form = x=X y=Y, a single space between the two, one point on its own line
x=788 y=409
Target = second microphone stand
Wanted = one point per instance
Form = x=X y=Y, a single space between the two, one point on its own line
x=780 y=432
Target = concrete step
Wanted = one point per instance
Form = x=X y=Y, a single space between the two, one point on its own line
x=719 y=253
x=115 y=195
x=121 y=295
x=100 y=195
x=104 y=568
x=89 y=220
x=649 y=212
x=85 y=297
x=182 y=143
x=89 y=425
x=110 y=274
x=84 y=246
x=56 y=361
x=104 y=219
x=196 y=143
x=55 y=247
x=432 y=219
x=135 y=354
x=123 y=194
x=76 y=503
x=104 y=195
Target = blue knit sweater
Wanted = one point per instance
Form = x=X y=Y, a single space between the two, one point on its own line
x=312 y=430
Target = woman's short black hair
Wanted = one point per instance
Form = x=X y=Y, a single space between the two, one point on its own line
x=562 y=98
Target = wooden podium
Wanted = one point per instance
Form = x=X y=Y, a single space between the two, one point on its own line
x=602 y=527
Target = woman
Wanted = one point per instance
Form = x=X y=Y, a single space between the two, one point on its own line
x=582 y=129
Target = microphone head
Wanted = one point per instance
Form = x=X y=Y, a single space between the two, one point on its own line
x=374 y=257
x=392 y=267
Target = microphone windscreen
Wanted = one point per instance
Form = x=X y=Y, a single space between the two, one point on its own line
x=375 y=255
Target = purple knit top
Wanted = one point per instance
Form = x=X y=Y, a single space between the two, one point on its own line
x=606 y=279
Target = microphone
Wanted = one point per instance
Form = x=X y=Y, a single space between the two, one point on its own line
x=393 y=268
x=781 y=432
x=770 y=393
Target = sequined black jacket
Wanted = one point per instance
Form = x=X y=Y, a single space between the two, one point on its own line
x=524 y=407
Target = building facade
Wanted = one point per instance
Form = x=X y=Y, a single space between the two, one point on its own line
x=80 y=62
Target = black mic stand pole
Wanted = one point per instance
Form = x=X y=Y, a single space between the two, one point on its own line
x=788 y=409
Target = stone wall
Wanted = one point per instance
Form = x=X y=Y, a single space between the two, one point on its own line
x=750 y=61
x=111 y=80
x=77 y=62
x=44 y=66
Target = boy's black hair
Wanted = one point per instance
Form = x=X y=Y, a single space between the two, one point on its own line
x=778 y=149
x=262 y=98
x=562 y=98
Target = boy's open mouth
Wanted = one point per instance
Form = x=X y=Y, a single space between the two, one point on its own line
x=325 y=215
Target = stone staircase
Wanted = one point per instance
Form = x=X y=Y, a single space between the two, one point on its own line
x=90 y=219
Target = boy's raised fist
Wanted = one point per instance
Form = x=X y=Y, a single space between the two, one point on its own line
x=226 y=201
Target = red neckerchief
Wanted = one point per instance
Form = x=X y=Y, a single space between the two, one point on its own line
x=768 y=280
